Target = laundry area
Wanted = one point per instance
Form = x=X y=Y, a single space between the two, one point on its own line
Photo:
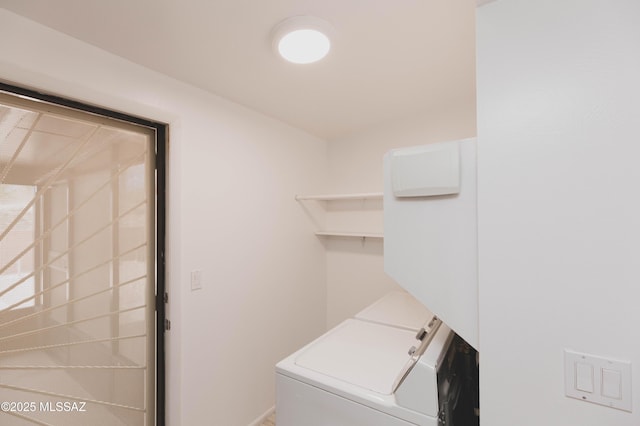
x=435 y=224
x=395 y=362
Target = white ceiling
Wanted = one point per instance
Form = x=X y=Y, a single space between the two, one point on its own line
x=391 y=58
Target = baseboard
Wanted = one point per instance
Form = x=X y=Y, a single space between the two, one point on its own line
x=263 y=417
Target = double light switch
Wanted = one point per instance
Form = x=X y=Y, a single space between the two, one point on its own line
x=598 y=380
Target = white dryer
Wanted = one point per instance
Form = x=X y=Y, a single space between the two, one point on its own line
x=377 y=369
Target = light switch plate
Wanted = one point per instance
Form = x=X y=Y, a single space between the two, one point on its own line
x=598 y=380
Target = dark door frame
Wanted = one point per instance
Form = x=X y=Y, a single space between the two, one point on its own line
x=161 y=141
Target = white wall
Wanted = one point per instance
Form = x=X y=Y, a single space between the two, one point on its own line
x=355 y=270
x=232 y=174
x=559 y=206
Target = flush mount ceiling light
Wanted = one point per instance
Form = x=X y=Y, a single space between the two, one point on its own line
x=302 y=39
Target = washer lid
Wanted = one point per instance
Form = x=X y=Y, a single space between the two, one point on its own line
x=361 y=353
x=399 y=309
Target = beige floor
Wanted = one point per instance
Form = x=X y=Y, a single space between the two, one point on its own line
x=57 y=381
x=271 y=421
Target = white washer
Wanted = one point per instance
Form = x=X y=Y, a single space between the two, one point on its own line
x=361 y=373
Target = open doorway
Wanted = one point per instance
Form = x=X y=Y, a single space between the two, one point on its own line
x=82 y=290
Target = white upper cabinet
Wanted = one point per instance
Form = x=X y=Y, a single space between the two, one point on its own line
x=430 y=225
